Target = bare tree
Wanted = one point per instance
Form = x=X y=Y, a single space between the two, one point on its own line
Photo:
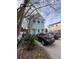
x=28 y=8
x=20 y=13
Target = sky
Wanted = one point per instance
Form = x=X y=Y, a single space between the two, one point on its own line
x=50 y=15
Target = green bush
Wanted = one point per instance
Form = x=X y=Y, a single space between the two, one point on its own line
x=30 y=41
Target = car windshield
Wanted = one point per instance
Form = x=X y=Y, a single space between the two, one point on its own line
x=41 y=34
x=46 y=35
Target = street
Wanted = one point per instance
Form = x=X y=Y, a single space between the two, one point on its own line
x=54 y=50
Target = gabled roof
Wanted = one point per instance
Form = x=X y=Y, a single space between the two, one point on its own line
x=55 y=23
x=37 y=16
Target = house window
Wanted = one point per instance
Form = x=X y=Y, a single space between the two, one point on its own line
x=38 y=21
x=34 y=21
x=56 y=25
x=42 y=30
x=38 y=30
x=42 y=22
x=33 y=31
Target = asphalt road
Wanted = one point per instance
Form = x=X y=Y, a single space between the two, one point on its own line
x=53 y=50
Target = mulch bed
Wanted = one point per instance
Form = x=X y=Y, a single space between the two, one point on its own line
x=36 y=53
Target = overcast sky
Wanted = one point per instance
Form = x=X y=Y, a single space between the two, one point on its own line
x=50 y=15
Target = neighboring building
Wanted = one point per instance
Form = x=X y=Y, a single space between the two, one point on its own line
x=24 y=29
x=54 y=27
x=25 y=23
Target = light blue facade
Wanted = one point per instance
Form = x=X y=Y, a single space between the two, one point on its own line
x=37 y=24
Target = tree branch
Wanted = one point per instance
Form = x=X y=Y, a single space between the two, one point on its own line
x=36 y=9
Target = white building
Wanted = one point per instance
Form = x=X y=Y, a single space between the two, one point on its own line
x=37 y=24
x=25 y=23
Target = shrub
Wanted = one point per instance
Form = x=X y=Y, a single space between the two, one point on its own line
x=30 y=41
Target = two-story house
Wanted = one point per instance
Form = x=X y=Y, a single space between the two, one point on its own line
x=36 y=24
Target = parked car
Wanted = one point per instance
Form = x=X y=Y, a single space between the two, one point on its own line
x=45 y=39
x=56 y=34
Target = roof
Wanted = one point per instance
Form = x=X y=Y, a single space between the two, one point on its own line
x=36 y=16
x=55 y=23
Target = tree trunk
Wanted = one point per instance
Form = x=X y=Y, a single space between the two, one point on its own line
x=20 y=15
